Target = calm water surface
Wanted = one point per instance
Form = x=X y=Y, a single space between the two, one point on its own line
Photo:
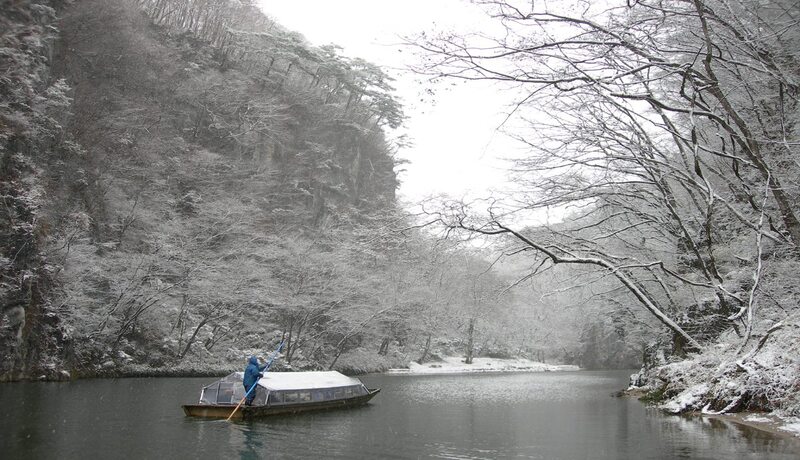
x=559 y=415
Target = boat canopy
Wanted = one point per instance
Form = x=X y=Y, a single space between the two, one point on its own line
x=305 y=380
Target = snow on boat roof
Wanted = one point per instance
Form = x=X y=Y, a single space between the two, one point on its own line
x=304 y=380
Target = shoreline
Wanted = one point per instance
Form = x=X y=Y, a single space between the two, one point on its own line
x=448 y=365
x=454 y=365
x=769 y=423
x=785 y=427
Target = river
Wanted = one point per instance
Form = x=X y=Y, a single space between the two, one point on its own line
x=551 y=415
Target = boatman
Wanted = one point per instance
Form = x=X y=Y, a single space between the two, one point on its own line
x=251 y=375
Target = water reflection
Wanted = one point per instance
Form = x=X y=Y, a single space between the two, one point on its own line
x=252 y=444
x=540 y=416
x=714 y=434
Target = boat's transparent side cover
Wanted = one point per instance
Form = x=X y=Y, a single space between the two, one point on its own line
x=279 y=397
x=229 y=390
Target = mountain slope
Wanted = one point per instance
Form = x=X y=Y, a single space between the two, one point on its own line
x=188 y=194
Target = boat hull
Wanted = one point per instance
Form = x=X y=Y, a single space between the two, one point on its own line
x=251 y=412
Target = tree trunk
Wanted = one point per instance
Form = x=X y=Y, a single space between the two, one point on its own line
x=339 y=349
x=383 y=350
x=470 y=340
x=425 y=350
x=747 y=140
x=287 y=336
x=191 y=339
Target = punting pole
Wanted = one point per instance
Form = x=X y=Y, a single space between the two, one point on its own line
x=269 y=363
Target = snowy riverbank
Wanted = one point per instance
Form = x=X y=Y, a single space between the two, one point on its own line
x=456 y=365
x=786 y=426
x=789 y=425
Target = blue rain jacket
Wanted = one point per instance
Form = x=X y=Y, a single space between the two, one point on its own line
x=252 y=373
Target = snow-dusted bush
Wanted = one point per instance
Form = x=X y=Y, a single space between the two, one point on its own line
x=763 y=377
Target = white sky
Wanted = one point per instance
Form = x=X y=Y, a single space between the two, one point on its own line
x=455 y=147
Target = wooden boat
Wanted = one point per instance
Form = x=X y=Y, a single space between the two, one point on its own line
x=281 y=393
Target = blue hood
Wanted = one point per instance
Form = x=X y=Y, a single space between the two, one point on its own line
x=254 y=360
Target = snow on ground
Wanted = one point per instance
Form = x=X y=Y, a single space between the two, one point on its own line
x=773 y=421
x=769 y=422
x=688 y=399
x=456 y=365
x=792 y=425
x=764 y=376
x=757 y=419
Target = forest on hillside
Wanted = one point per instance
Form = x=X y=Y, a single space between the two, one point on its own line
x=187 y=182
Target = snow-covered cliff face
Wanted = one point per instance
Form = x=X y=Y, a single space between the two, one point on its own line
x=33 y=339
x=153 y=181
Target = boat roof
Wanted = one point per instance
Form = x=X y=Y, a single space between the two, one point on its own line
x=304 y=380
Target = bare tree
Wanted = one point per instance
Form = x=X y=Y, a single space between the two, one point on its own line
x=651 y=139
